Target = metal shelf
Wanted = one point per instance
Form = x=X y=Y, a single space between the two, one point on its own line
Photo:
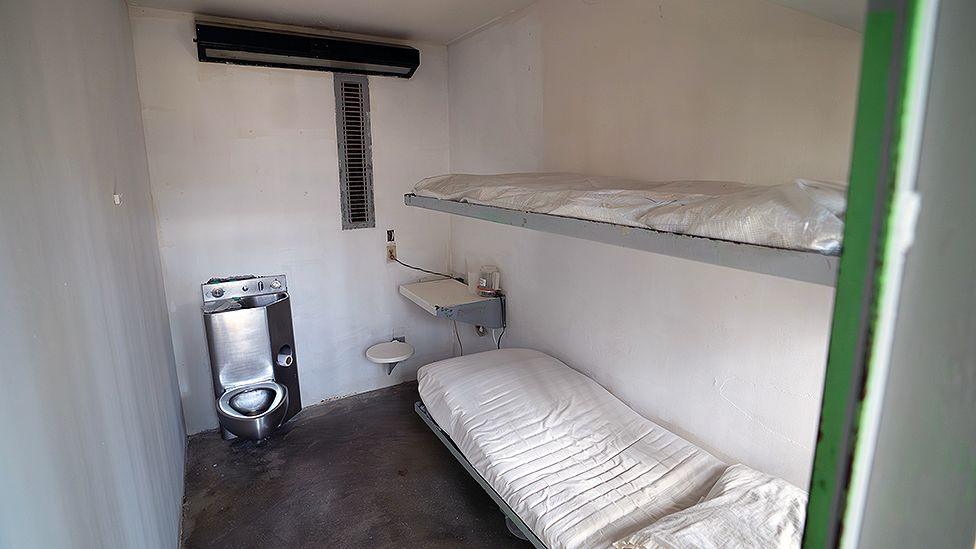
x=810 y=267
x=450 y=299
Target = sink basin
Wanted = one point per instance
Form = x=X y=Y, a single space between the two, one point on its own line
x=251 y=302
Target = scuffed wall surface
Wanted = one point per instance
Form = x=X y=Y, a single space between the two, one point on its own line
x=741 y=90
x=244 y=174
x=92 y=440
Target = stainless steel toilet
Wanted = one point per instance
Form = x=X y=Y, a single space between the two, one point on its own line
x=253 y=411
x=252 y=354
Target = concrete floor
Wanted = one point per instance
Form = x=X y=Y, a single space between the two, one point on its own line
x=363 y=471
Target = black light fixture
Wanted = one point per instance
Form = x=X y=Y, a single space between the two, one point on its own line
x=240 y=45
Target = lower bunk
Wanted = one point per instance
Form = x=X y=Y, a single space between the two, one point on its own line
x=512 y=521
x=571 y=466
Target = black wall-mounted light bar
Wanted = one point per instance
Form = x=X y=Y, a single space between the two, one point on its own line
x=239 y=45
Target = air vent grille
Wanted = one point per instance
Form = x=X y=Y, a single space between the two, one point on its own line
x=355 y=154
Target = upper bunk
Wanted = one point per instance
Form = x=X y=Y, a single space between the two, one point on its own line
x=792 y=230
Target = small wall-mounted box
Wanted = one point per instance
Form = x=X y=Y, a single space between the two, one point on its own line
x=452 y=300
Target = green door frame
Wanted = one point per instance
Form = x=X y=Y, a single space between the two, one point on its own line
x=894 y=76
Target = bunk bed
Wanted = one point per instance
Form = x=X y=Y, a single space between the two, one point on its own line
x=792 y=230
x=569 y=464
x=573 y=467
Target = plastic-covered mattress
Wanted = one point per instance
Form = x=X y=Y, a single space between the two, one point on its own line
x=802 y=215
x=578 y=466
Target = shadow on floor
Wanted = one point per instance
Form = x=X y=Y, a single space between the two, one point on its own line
x=363 y=471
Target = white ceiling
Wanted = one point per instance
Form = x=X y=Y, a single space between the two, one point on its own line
x=437 y=21
x=846 y=13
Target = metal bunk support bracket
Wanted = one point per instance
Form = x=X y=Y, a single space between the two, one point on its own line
x=489 y=313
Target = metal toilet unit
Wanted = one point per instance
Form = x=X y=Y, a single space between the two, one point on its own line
x=252 y=354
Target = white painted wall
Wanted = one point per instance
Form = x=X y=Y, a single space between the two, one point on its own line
x=92 y=440
x=691 y=89
x=244 y=175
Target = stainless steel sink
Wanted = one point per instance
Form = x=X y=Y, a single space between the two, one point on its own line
x=253 y=301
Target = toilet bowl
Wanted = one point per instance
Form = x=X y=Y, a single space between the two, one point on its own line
x=253 y=411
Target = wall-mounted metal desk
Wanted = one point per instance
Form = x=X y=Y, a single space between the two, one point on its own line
x=450 y=299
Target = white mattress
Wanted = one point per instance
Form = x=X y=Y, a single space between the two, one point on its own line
x=802 y=215
x=576 y=464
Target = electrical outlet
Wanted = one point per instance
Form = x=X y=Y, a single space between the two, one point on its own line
x=391 y=253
